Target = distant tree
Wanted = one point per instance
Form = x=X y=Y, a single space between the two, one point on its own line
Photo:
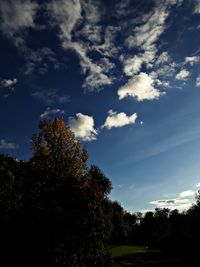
x=119 y=234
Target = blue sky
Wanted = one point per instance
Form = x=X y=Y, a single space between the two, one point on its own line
x=125 y=75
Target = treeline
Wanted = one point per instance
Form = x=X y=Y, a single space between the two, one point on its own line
x=176 y=233
x=55 y=211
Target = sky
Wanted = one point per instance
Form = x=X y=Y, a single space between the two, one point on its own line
x=124 y=75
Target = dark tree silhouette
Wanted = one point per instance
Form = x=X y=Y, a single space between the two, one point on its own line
x=51 y=206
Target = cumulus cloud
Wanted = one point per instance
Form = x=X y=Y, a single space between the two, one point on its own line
x=116 y=120
x=4 y=144
x=192 y=60
x=83 y=127
x=198 y=81
x=48 y=113
x=8 y=83
x=182 y=75
x=141 y=87
x=16 y=16
x=50 y=97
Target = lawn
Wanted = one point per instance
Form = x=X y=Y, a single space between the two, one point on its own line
x=137 y=256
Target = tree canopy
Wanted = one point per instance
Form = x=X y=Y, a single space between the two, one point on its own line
x=51 y=205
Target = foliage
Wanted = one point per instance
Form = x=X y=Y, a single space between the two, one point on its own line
x=51 y=206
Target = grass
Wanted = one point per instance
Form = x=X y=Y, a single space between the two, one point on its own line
x=138 y=256
x=118 y=251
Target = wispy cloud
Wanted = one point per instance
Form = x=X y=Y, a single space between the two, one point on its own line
x=5 y=144
x=50 y=97
x=48 y=113
x=66 y=15
x=22 y=14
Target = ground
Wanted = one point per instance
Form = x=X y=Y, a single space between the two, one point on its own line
x=137 y=256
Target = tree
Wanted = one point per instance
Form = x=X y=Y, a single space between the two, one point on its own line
x=99 y=180
x=56 y=150
x=58 y=218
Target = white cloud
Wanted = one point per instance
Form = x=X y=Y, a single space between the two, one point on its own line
x=108 y=47
x=48 y=113
x=95 y=80
x=39 y=60
x=116 y=120
x=133 y=65
x=92 y=33
x=83 y=127
x=91 y=11
x=198 y=81
x=166 y=70
x=187 y=193
x=141 y=87
x=67 y=15
x=50 y=97
x=198 y=184
x=163 y=58
x=175 y=203
x=17 y=15
x=8 y=83
x=192 y=60
x=182 y=202
x=182 y=75
x=4 y=144
x=197 y=6
x=148 y=33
